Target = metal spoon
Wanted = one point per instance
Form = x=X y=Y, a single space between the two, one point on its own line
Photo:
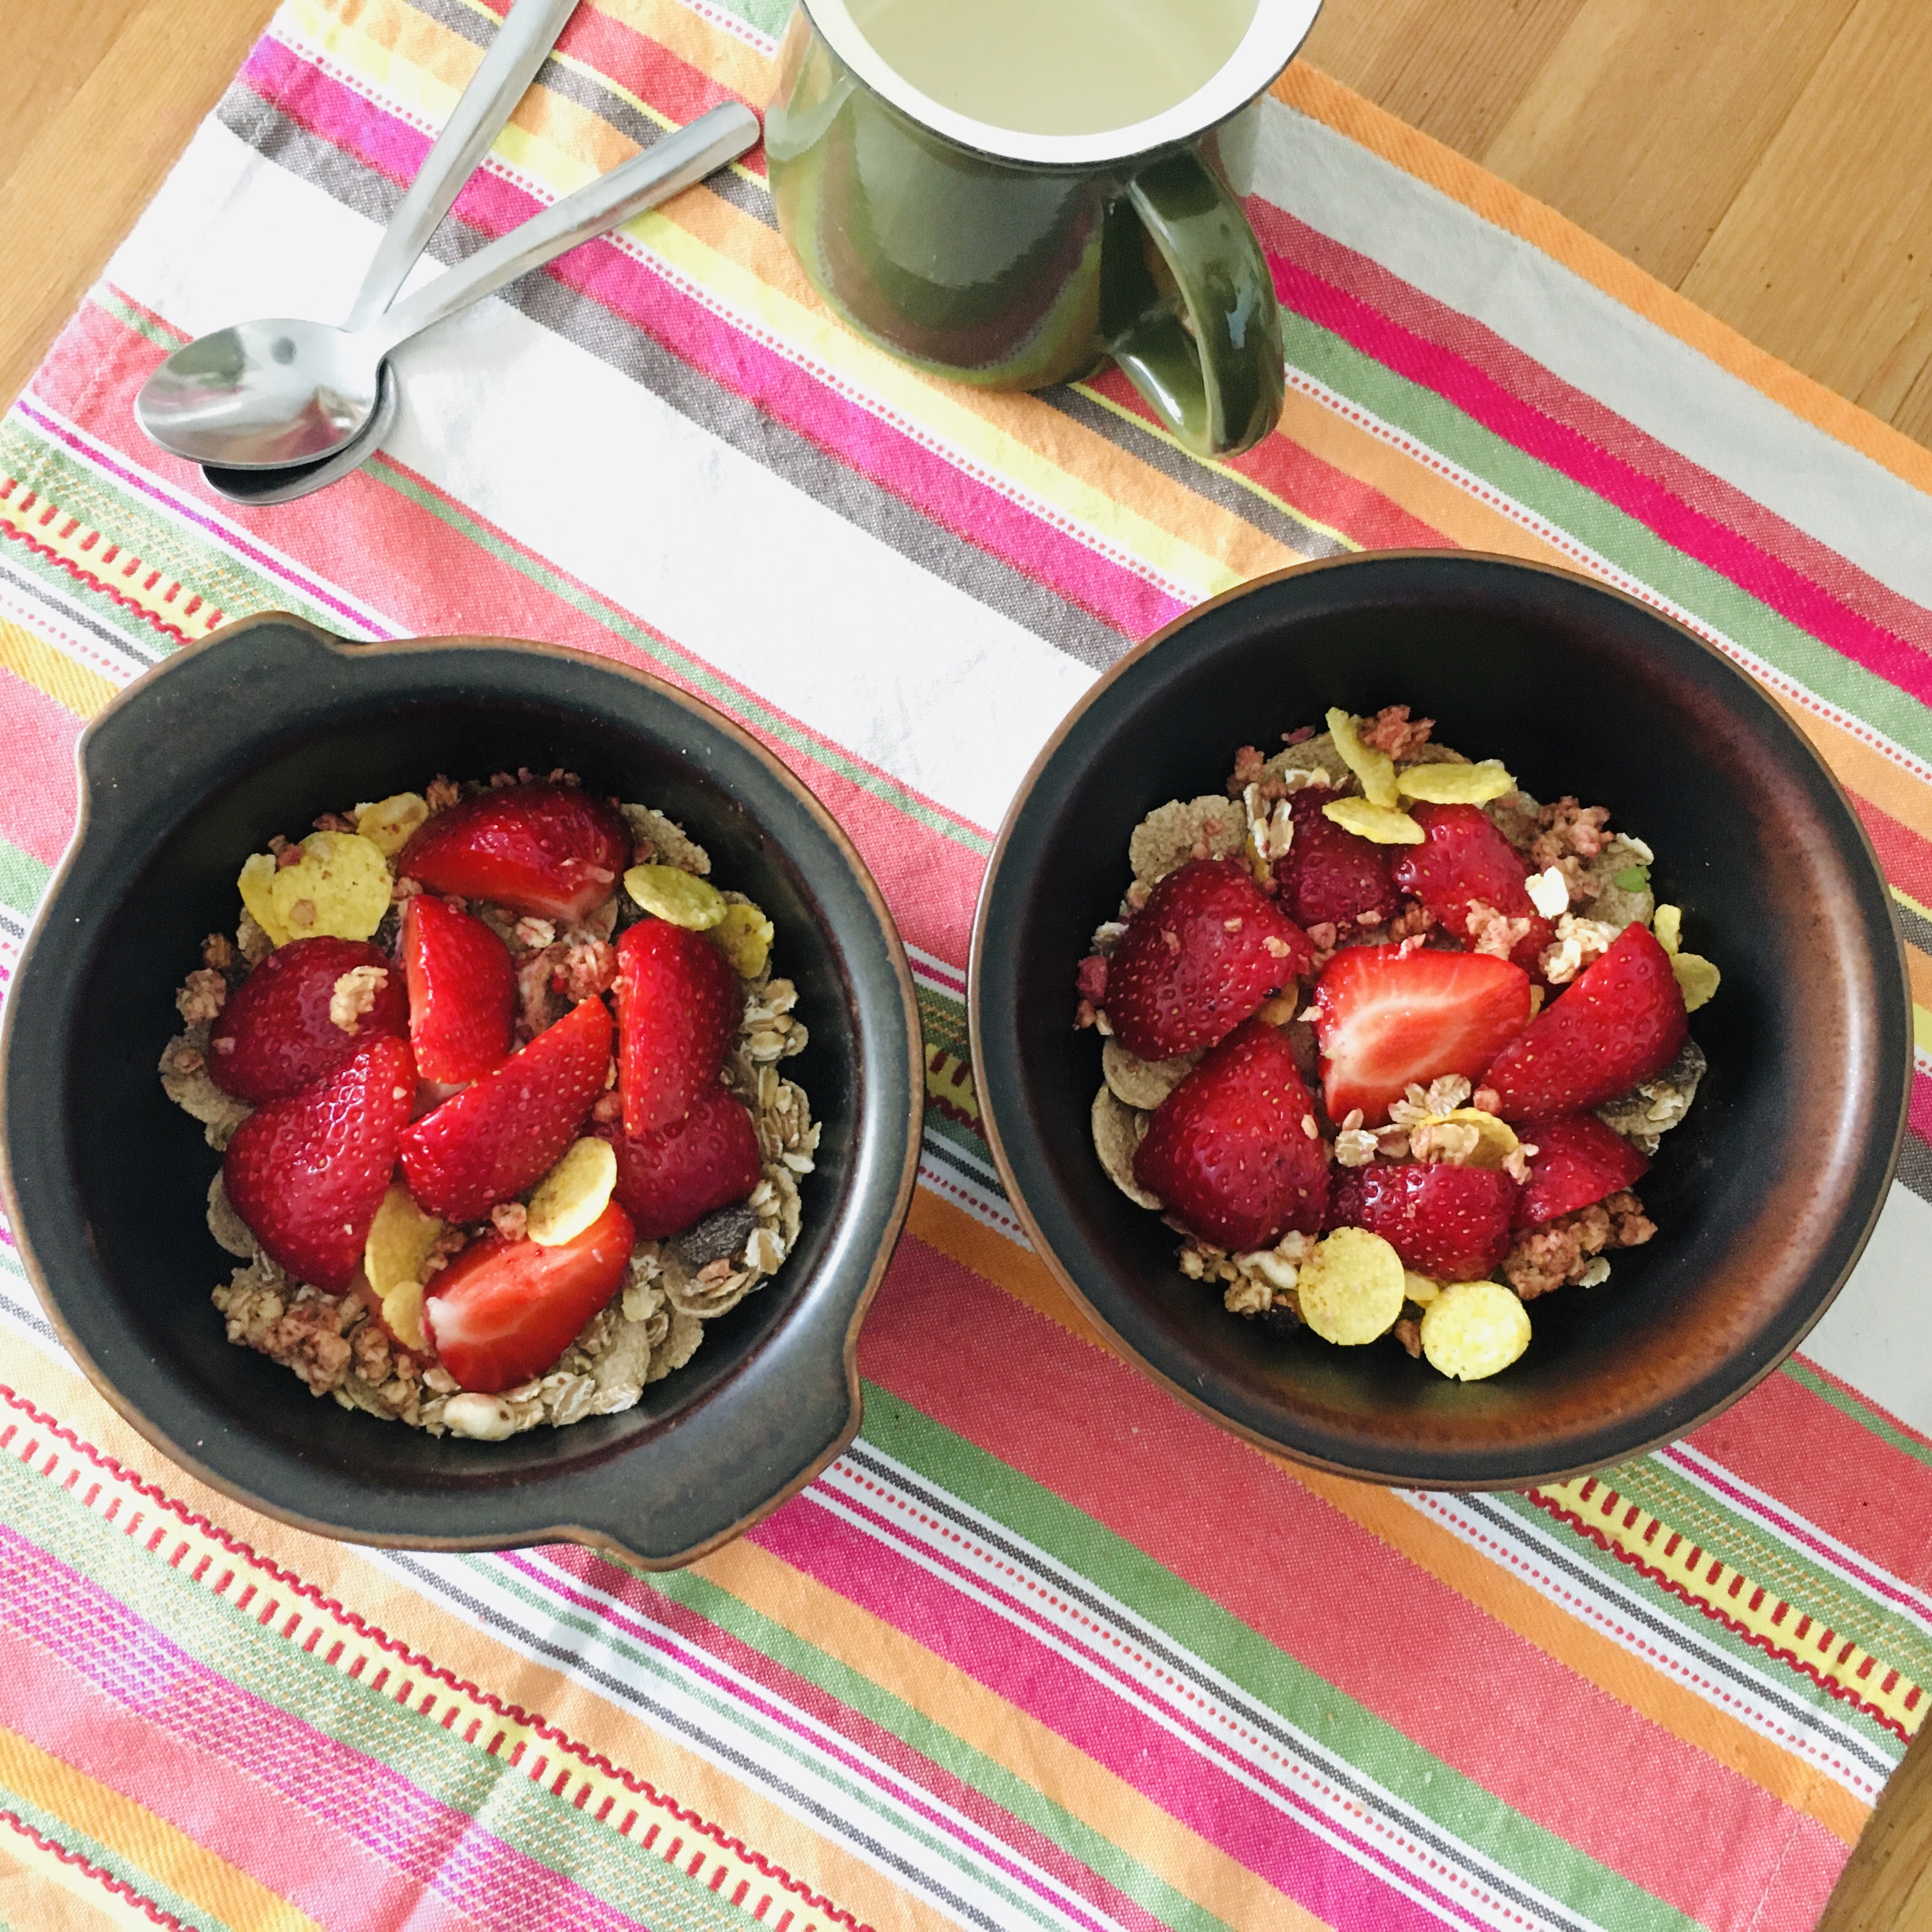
x=521 y=46
x=264 y=394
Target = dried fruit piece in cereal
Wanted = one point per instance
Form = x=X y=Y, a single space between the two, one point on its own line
x=1330 y=876
x=1578 y=1159
x=391 y=823
x=1234 y=1151
x=550 y=850
x=1207 y=949
x=275 y=1033
x=573 y=1194
x=395 y=1259
x=1380 y=824
x=308 y=1173
x=340 y=886
x=505 y=1310
x=744 y=935
x=1351 y=1290
x=1455 y=784
x=1473 y=1329
x=1386 y=1019
x=1449 y=1223
x=1619 y=1023
x=1117 y=1131
x=681 y=897
x=671 y=1177
x=1465 y=864
x=679 y=1003
x=1141 y=1083
x=463 y=991
x=492 y=1140
x=1375 y=768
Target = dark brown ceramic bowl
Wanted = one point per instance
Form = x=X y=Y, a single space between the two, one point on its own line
x=1763 y=1198
x=252 y=733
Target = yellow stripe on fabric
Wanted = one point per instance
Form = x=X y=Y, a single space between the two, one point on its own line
x=1512 y=1602
x=41 y=1891
x=149 y=1843
x=175 y=606
x=1315 y=94
x=37 y=662
x=713 y=1817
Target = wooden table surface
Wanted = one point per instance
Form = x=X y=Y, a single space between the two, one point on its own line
x=1771 y=159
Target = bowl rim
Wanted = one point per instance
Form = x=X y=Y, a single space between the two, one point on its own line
x=1674 y=1430
x=901 y=1183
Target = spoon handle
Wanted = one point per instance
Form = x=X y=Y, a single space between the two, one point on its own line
x=521 y=46
x=666 y=167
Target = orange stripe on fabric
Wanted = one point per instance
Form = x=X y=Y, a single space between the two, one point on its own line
x=1597 y=1658
x=144 y=1840
x=36 y=662
x=1315 y=95
x=711 y=50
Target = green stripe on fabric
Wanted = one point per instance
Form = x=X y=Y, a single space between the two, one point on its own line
x=1460 y=1809
x=1619 y=538
x=738 y=703
x=105 y=1858
x=23 y=879
x=942 y=1020
x=932 y=1740
x=109 y=302
x=768 y=16
x=770 y=1744
x=547 y=1829
x=1861 y=1412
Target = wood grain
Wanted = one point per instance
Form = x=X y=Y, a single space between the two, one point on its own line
x=1771 y=159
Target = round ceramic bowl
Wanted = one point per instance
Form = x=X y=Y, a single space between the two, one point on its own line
x=253 y=732
x=1763 y=1198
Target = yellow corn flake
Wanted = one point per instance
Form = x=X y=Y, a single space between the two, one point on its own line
x=1667 y=923
x=1383 y=823
x=340 y=886
x=1495 y=1140
x=1455 y=784
x=1421 y=1289
x=573 y=1194
x=744 y=935
x=1376 y=770
x=258 y=875
x=1473 y=1329
x=390 y=824
x=683 y=897
x=1352 y=1288
x=395 y=1258
x=1697 y=978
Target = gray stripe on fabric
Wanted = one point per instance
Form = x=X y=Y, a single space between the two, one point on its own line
x=1915 y=1166
x=1178 y=467
x=1917 y=928
x=125 y=642
x=718 y=411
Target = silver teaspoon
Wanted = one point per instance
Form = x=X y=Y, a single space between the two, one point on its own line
x=264 y=394
x=521 y=46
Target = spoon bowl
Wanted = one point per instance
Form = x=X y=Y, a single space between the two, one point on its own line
x=286 y=482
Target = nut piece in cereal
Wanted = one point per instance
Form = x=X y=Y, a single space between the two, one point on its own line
x=1473 y=1329
x=573 y=1194
x=1141 y=1083
x=744 y=935
x=1375 y=768
x=389 y=824
x=681 y=897
x=1380 y=824
x=1211 y=827
x=1117 y=1130
x=1455 y=784
x=1352 y=1288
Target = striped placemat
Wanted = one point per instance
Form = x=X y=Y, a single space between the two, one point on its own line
x=1044 y=1649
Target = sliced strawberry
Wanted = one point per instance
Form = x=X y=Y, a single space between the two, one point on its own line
x=1578 y=1160
x=463 y=991
x=1233 y=1150
x=1384 y=1019
x=1329 y=875
x=1620 y=1023
x=547 y=849
x=679 y=1007
x=1207 y=949
x=274 y=1036
x=504 y=1311
x=493 y=1139
x=678 y=1174
x=1465 y=860
x=1449 y=1223
x=306 y=1173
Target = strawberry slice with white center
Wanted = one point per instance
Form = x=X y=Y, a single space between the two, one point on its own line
x=308 y=1172
x=1384 y=1018
x=505 y=1310
x=551 y=850
x=463 y=991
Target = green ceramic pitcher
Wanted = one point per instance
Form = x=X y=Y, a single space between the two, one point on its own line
x=1013 y=259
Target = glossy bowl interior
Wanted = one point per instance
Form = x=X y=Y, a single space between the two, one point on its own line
x=1765 y=1196
x=254 y=732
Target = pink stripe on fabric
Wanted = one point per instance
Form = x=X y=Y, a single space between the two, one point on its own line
x=1772 y=581
x=1500 y=1712
x=730 y=352
x=147 y=1673
x=37 y=737
x=1700 y=489
x=1272 y=1843
x=322 y=1871
x=589 y=1581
